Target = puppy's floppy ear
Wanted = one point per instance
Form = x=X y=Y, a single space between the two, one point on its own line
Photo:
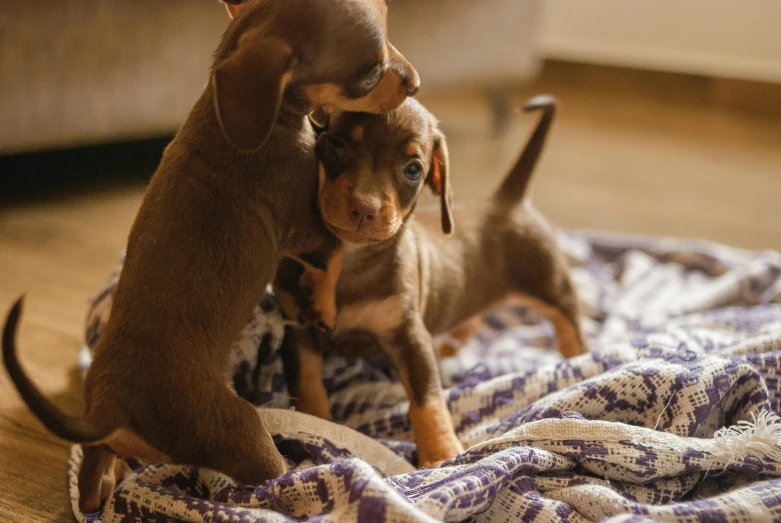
x=248 y=87
x=319 y=120
x=438 y=180
x=233 y=7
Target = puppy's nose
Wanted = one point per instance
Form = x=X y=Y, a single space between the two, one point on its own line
x=363 y=210
x=410 y=77
x=412 y=86
x=412 y=82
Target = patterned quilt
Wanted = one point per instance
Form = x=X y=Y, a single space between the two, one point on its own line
x=672 y=416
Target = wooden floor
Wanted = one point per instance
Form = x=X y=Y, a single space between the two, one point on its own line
x=632 y=153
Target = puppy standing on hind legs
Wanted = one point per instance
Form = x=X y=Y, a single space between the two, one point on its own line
x=403 y=280
x=235 y=190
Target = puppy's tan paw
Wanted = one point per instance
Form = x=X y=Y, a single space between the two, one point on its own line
x=319 y=409
x=312 y=399
x=448 y=348
x=314 y=319
x=434 y=433
x=569 y=339
x=429 y=457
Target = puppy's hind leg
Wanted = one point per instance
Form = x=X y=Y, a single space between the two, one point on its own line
x=565 y=317
x=96 y=477
x=224 y=433
x=539 y=276
x=458 y=336
x=559 y=304
x=252 y=455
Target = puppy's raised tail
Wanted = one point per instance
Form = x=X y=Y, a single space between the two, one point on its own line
x=67 y=427
x=514 y=186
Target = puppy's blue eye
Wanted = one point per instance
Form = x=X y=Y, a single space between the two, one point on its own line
x=413 y=171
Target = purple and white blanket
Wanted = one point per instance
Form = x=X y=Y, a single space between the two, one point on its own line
x=672 y=416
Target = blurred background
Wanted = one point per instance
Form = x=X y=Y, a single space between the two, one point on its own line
x=669 y=124
x=670 y=119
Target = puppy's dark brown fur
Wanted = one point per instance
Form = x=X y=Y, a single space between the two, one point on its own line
x=235 y=189
x=404 y=280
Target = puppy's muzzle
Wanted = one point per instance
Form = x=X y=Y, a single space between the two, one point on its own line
x=410 y=80
x=399 y=81
x=363 y=210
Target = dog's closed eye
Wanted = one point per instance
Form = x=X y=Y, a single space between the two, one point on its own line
x=336 y=147
x=337 y=144
x=372 y=77
x=331 y=151
x=366 y=80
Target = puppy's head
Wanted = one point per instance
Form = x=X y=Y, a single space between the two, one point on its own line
x=331 y=54
x=373 y=167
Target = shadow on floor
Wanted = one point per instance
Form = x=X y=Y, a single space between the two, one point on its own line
x=51 y=175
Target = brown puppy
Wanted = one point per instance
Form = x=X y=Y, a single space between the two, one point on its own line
x=235 y=189
x=403 y=280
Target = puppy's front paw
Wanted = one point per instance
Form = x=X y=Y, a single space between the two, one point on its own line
x=313 y=319
x=434 y=433
x=312 y=399
x=432 y=454
x=322 y=327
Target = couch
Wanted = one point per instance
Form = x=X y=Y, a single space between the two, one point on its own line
x=82 y=72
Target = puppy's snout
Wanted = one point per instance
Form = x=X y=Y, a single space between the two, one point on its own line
x=411 y=82
x=363 y=210
x=410 y=79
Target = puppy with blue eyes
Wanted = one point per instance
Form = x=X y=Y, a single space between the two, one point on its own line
x=408 y=277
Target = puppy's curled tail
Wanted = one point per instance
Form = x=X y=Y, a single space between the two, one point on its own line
x=60 y=424
x=513 y=189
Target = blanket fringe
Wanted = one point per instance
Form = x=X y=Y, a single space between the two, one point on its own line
x=760 y=437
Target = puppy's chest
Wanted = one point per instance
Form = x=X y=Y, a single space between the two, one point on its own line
x=370 y=300
x=381 y=316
